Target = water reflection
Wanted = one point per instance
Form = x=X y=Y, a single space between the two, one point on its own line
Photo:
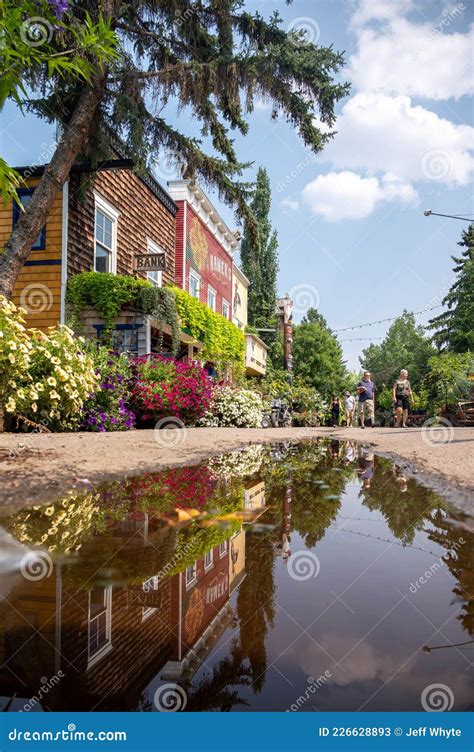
x=183 y=578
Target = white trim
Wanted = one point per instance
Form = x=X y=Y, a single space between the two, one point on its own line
x=148 y=611
x=209 y=566
x=152 y=247
x=190 y=192
x=197 y=277
x=185 y=229
x=225 y=302
x=239 y=273
x=192 y=582
x=107 y=647
x=113 y=214
x=213 y=291
x=224 y=552
x=64 y=233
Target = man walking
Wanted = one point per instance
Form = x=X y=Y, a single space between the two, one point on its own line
x=366 y=391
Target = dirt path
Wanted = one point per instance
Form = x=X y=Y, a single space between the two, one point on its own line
x=38 y=468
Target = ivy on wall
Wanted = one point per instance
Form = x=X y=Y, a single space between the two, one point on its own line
x=109 y=293
x=223 y=341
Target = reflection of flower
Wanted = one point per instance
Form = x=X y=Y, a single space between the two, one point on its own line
x=243 y=463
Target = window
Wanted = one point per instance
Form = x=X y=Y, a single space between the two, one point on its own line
x=194 y=283
x=191 y=575
x=25 y=194
x=222 y=548
x=225 y=309
x=105 y=234
x=237 y=301
x=151 y=584
x=100 y=623
x=208 y=559
x=211 y=298
x=154 y=277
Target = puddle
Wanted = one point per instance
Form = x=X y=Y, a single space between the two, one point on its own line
x=311 y=577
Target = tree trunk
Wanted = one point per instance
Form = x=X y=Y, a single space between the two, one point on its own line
x=30 y=222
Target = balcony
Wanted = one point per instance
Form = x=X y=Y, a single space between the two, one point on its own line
x=255 y=355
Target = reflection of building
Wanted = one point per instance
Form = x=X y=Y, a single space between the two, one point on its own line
x=254 y=496
x=200 y=610
x=111 y=641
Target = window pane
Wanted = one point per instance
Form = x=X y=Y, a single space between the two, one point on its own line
x=102 y=259
x=25 y=200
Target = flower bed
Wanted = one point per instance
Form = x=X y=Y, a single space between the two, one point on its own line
x=233 y=407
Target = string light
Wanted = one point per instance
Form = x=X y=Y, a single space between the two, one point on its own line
x=383 y=321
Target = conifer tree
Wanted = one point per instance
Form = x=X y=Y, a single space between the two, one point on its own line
x=259 y=256
x=210 y=59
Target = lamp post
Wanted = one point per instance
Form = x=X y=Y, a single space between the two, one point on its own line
x=429 y=213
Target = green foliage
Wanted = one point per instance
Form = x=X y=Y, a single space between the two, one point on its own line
x=38 y=54
x=109 y=293
x=454 y=328
x=317 y=355
x=224 y=343
x=405 y=346
x=260 y=257
x=309 y=408
x=447 y=379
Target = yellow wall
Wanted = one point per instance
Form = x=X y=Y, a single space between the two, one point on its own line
x=240 y=316
x=38 y=287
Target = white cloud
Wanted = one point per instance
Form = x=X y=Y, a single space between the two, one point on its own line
x=347 y=195
x=397 y=56
x=382 y=134
x=289 y=204
x=379 y=10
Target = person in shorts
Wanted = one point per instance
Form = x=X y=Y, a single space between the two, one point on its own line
x=402 y=395
x=349 y=406
x=366 y=392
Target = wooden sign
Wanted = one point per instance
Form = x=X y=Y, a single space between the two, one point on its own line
x=150 y=262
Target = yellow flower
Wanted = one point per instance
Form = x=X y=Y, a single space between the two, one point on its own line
x=11 y=405
x=12 y=345
x=52 y=381
x=54 y=395
x=49 y=511
x=56 y=361
x=11 y=358
x=34 y=406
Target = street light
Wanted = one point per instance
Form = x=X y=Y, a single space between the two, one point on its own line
x=429 y=213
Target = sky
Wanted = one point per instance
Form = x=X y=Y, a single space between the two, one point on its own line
x=353 y=240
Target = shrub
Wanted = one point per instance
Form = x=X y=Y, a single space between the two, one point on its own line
x=241 y=408
x=15 y=352
x=309 y=407
x=109 y=293
x=58 y=381
x=224 y=343
x=165 y=388
x=107 y=408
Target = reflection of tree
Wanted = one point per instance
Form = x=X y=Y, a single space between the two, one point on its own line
x=405 y=513
x=458 y=541
x=255 y=606
x=215 y=692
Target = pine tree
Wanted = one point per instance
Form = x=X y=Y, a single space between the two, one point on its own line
x=211 y=59
x=317 y=355
x=260 y=256
x=454 y=328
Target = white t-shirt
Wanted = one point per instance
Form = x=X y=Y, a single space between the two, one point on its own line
x=350 y=402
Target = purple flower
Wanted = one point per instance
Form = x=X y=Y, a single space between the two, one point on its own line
x=58 y=7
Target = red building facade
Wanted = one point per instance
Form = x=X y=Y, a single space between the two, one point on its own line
x=204 y=248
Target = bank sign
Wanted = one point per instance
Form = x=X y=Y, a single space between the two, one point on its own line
x=150 y=262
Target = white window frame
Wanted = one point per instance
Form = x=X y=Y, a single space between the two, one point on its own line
x=151 y=584
x=213 y=292
x=197 y=278
x=225 y=304
x=156 y=278
x=112 y=214
x=208 y=560
x=223 y=548
x=190 y=583
x=107 y=646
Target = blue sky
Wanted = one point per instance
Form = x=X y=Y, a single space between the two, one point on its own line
x=353 y=238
